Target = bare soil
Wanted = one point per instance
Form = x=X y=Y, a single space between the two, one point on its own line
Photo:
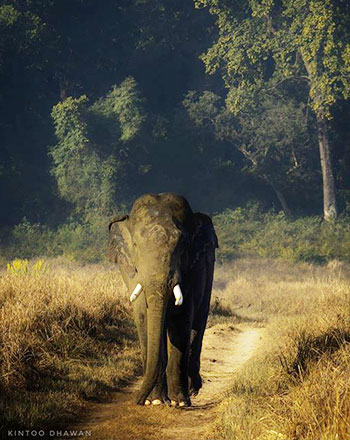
x=226 y=348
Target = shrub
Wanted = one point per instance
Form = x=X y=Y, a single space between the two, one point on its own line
x=241 y=232
x=251 y=231
x=78 y=241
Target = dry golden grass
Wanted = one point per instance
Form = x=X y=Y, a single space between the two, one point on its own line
x=261 y=289
x=297 y=387
x=66 y=335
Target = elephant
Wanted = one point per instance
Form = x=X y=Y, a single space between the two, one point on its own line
x=166 y=255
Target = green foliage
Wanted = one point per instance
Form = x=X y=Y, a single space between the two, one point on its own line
x=75 y=240
x=242 y=231
x=8 y=15
x=127 y=104
x=274 y=137
x=305 y=39
x=204 y=109
x=251 y=231
x=264 y=46
x=119 y=142
x=88 y=164
x=276 y=142
x=83 y=176
x=18 y=267
x=21 y=267
x=29 y=240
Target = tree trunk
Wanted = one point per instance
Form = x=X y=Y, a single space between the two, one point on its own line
x=329 y=200
x=63 y=87
x=282 y=200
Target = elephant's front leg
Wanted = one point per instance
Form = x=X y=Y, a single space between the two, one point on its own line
x=178 y=343
x=140 y=317
x=159 y=393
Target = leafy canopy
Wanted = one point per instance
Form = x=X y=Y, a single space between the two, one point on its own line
x=263 y=43
x=274 y=140
x=93 y=150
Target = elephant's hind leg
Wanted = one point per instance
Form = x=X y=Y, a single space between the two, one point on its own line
x=177 y=368
x=204 y=284
x=194 y=361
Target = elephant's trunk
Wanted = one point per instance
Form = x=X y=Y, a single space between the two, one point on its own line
x=155 y=323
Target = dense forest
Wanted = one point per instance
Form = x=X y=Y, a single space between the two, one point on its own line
x=227 y=102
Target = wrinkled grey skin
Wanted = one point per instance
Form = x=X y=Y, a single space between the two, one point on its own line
x=160 y=244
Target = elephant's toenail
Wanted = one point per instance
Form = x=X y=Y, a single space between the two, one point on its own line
x=182 y=404
x=173 y=403
x=147 y=402
x=156 y=402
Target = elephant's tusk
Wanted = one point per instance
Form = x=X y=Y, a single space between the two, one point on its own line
x=178 y=295
x=136 y=292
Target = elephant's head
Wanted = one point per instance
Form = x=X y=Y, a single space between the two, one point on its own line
x=151 y=247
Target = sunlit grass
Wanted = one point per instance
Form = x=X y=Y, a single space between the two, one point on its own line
x=296 y=387
x=65 y=336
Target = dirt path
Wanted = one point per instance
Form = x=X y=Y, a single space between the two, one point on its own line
x=225 y=349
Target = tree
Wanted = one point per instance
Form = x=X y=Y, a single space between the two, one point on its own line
x=94 y=154
x=262 y=44
x=51 y=50
x=273 y=138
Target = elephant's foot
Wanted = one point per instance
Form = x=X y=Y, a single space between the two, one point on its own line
x=153 y=402
x=152 y=398
x=195 y=384
x=194 y=392
x=157 y=396
x=181 y=403
x=180 y=400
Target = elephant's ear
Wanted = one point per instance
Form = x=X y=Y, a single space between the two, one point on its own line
x=204 y=240
x=120 y=245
